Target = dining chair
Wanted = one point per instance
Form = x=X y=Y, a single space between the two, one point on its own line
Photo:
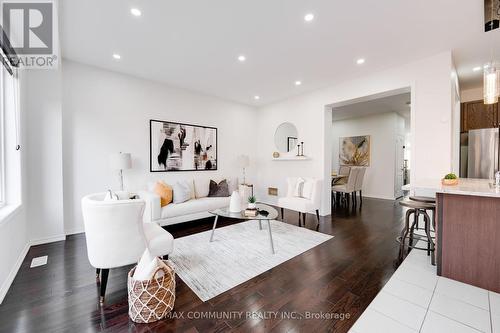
x=358 y=186
x=344 y=170
x=348 y=188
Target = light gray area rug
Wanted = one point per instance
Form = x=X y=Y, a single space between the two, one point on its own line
x=238 y=253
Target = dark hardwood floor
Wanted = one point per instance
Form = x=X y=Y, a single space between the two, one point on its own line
x=342 y=276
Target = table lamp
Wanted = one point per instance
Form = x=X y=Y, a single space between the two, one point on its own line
x=120 y=161
x=243 y=162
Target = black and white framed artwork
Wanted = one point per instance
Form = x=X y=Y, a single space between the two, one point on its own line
x=182 y=147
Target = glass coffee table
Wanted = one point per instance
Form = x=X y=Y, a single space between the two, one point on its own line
x=224 y=212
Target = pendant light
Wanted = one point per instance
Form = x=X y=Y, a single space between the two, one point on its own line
x=491 y=83
x=491 y=76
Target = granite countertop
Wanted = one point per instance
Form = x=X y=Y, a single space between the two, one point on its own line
x=466 y=186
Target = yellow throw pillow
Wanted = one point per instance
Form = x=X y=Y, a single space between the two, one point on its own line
x=165 y=192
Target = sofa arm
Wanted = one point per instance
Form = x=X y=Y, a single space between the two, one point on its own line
x=152 y=211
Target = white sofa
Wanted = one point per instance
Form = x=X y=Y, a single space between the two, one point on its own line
x=196 y=208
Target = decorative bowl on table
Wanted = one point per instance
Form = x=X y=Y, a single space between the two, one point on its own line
x=450 y=180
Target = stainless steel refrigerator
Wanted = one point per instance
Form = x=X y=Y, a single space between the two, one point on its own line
x=483 y=153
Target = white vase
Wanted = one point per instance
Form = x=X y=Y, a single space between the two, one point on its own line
x=235 y=202
x=252 y=206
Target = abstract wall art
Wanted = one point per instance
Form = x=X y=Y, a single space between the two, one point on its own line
x=182 y=147
x=354 y=150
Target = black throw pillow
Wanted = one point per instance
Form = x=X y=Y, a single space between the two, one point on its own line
x=218 y=190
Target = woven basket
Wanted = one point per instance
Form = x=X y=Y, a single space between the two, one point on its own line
x=151 y=300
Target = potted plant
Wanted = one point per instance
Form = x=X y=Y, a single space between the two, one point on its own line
x=450 y=179
x=252 y=200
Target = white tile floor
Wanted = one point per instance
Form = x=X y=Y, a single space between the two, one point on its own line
x=415 y=299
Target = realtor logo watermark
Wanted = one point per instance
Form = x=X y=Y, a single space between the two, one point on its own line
x=30 y=29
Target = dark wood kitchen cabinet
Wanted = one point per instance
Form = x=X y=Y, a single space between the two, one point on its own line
x=477 y=115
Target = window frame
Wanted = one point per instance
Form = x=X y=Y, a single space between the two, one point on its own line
x=2 y=139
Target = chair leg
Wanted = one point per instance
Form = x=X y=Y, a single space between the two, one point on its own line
x=429 y=237
x=165 y=257
x=97 y=274
x=317 y=216
x=360 y=197
x=282 y=213
x=404 y=233
x=412 y=229
x=300 y=217
x=104 y=282
x=304 y=219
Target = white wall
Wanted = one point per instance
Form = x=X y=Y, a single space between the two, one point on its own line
x=469 y=95
x=14 y=230
x=43 y=111
x=106 y=112
x=429 y=80
x=382 y=128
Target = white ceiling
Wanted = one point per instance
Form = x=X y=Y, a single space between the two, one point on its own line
x=395 y=103
x=195 y=44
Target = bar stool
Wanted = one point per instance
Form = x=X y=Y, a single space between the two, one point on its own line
x=416 y=208
x=423 y=199
x=430 y=200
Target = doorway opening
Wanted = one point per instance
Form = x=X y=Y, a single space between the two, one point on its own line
x=370 y=141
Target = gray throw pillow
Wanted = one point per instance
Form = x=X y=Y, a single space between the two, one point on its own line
x=218 y=190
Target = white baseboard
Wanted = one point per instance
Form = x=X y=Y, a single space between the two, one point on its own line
x=13 y=272
x=47 y=240
x=75 y=231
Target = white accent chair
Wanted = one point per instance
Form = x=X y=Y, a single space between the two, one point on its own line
x=310 y=201
x=349 y=187
x=116 y=235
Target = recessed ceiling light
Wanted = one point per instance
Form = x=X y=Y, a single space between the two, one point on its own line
x=477 y=68
x=242 y=58
x=309 y=17
x=360 y=61
x=135 y=12
x=116 y=56
x=256 y=97
x=298 y=83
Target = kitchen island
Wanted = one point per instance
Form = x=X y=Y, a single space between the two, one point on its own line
x=468 y=231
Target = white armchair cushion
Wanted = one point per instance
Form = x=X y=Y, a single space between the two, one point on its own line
x=160 y=242
x=297 y=204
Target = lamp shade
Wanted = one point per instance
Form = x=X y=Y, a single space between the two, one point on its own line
x=120 y=161
x=243 y=161
x=491 y=84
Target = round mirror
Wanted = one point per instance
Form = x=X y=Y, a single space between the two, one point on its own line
x=286 y=138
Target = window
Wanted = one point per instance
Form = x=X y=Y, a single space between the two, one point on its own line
x=10 y=156
x=2 y=140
